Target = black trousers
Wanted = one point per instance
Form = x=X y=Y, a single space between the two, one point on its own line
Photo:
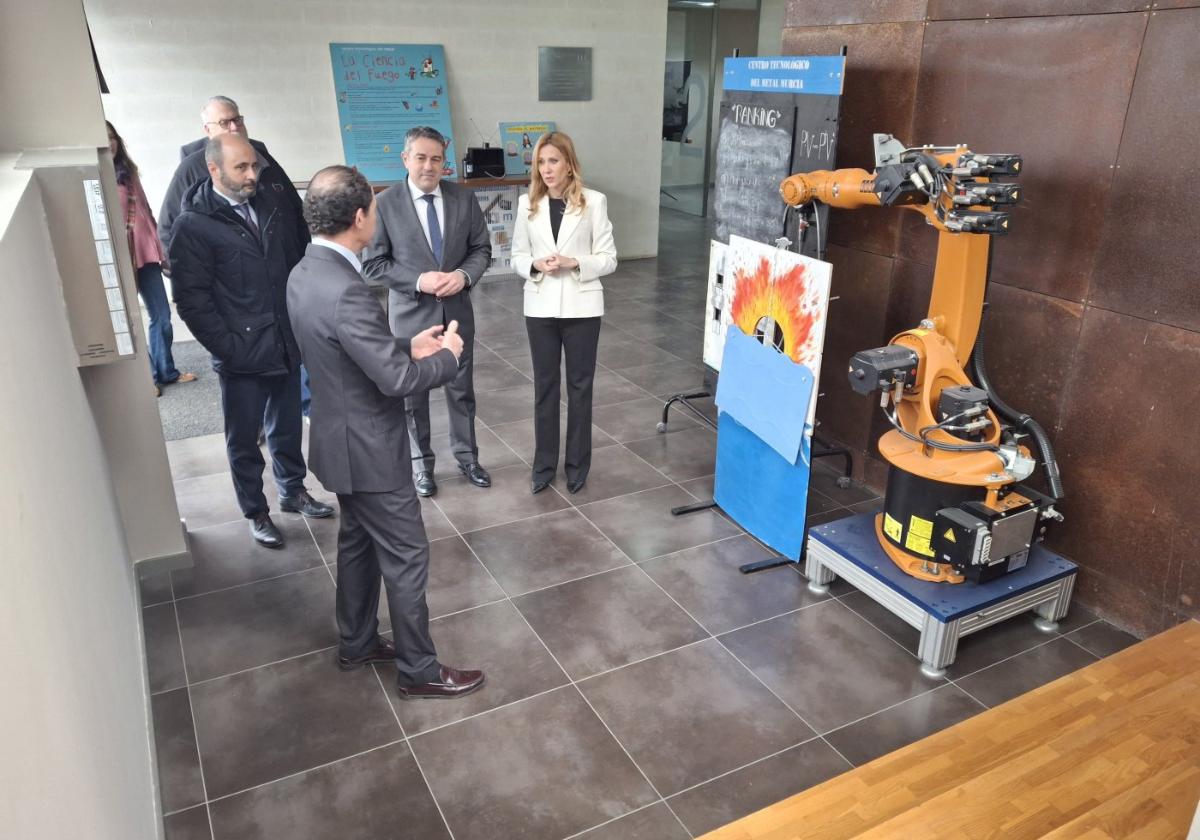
x=460 y=406
x=382 y=534
x=271 y=403
x=549 y=340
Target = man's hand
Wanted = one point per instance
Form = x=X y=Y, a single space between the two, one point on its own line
x=452 y=283
x=427 y=342
x=428 y=282
x=452 y=341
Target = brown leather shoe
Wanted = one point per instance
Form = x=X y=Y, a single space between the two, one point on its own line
x=450 y=683
x=384 y=651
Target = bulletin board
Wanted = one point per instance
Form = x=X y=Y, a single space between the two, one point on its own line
x=382 y=91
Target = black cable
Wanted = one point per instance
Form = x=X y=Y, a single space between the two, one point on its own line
x=934 y=444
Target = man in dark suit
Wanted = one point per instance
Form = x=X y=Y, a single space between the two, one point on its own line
x=358 y=444
x=431 y=246
x=231 y=251
x=221 y=115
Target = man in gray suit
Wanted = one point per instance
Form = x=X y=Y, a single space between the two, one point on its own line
x=431 y=247
x=358 y=448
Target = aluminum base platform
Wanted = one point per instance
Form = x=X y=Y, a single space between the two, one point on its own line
x=849 y=549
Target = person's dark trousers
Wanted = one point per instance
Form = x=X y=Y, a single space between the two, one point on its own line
x=381 y=534
x=549 y=340
x=272 y=402
x=305 y=393
x=159 y=332
x=460 y=406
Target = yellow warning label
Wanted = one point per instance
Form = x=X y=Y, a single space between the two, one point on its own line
x=891 y=527
x=949 y=535
x=919 y=532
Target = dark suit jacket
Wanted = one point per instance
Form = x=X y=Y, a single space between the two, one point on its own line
x=400 y=253
x=359 y=374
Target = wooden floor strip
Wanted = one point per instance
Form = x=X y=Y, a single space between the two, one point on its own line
x=1110 y=751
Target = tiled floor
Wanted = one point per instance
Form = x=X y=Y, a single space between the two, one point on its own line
x=638 y=685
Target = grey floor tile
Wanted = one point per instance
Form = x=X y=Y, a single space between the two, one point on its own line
x=1025 y=672
x=706 y=582
x=179 y=779
x=1077 y=617
x=470 y=508
x=638 y=419
x=819 y=503
x=493 y=453
x=197 y=456
x=666 y=378
x=653 y=823
x=377 y=794
x=494 y=375
x=692 y=714
x=883 y=619
x=685 y=455
x=831 y=666
x=904 y=724
x=519 y=437
x=619 y=355
x=544 y=551
x=207 y=500
x=702 y=488
x=505 y=405
x=503 y=342
x=607 y=620
x=258 y=623
x=226 y=555
x=616 y=471
x=437 y=525
x=191 y=824
x=154 y=587
x=1103 y=639
x=642 y=526
x=824 y=480
x=267 y=723
x=164 y=658
x=457 y=580
x=609 y=388
x=494 y=639
x=752 y=788
x=542 y=769
x=992 y=644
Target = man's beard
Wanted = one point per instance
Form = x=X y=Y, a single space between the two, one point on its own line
x=232 y=188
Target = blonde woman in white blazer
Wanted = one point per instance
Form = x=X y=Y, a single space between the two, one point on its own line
x=562 y=246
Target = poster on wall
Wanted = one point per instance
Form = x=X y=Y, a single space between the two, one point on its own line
x=382 y=91
x=518 y=139
x=499 y=207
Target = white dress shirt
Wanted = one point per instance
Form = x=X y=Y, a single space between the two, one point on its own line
x=422 y=211
x=350 y=256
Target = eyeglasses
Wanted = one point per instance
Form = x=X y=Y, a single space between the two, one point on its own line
x=239 y=121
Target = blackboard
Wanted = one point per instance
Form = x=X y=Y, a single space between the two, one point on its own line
x=814 y=146
x=754 y=151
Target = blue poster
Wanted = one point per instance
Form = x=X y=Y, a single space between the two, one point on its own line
x=382 y=91
x=786 y=74
x=518 y=139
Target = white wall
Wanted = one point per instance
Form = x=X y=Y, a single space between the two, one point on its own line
x=73 y=711
x=163 y=58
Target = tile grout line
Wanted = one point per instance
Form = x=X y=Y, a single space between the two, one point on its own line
x=192 y=712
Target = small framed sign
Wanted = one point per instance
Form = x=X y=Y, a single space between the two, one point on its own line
x=564 y=74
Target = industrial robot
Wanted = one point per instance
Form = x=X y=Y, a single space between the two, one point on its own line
x=955 y=508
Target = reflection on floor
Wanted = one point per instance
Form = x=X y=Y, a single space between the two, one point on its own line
x=639 y=686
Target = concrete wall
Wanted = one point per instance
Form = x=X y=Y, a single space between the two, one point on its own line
x=73 y=714
x=162 y=58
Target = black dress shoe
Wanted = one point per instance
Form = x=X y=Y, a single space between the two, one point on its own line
x=384 y=651
x=425 y=484
x=575 y=485
x=264 y=531
x=538 y=486
x=305 y=504
x=450 y=683
x=476 y=474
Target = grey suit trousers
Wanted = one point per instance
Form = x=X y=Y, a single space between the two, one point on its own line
x=383 y=534
x=460 y=408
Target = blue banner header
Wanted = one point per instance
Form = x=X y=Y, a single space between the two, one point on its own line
x=821 y=74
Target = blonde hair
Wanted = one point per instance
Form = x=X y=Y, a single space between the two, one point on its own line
x=573 y=192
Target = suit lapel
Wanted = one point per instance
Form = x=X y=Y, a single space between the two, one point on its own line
x=566 y=227
x=449 y=217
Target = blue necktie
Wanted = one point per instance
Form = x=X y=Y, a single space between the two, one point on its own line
x=435 y=230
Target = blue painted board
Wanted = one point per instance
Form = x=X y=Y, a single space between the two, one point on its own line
x=759 y=490
x=854 y=538
x=766 y=392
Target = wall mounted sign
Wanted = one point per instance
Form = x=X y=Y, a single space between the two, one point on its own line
x=564 y=74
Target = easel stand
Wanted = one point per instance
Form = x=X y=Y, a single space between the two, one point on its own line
x=943 y=613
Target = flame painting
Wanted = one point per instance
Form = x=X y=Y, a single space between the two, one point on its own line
x=787 y=298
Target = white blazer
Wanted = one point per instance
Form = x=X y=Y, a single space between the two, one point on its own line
x=586 y=236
